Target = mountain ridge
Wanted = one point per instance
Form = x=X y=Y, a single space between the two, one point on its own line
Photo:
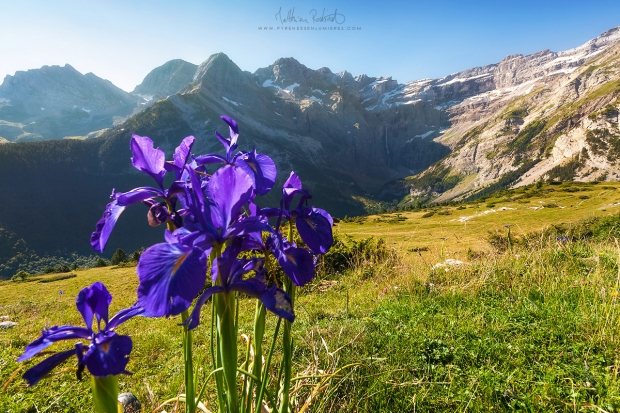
x=350 y=138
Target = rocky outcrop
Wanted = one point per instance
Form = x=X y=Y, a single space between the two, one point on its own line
x=166 y=80
x=53 y=102
x=556 y=119
x=55 y=90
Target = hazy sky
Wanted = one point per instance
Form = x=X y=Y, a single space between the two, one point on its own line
x=122 y=40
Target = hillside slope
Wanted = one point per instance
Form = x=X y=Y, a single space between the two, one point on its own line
x=560 y=127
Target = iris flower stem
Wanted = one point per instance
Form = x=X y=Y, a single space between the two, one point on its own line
x=224 y=308
x=105 y=394
x=217 y=364
x=287 y=352
x=215 y=338
x=247 y=378
x=190 y=390
x=259 y=333
x=263 y=386
x=287 y=339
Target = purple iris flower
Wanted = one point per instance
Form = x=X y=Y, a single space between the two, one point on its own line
x=313 y=224
x=173 y=273
x=230 y=145
x=297 y=263
x=259 y=167
x=151 y=161
x=216 y=211
x=108 y=352
x=216 y=206
x=227 y=275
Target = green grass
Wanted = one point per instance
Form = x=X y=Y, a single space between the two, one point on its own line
x=532 y=328
x=451 y=236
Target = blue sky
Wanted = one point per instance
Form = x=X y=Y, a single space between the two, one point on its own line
x=122 y=40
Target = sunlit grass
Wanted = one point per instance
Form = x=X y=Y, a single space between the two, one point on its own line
x=535 y=328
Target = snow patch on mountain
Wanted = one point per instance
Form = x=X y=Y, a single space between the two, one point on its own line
x=425 y=135
x=462 y=80
x=231 y=101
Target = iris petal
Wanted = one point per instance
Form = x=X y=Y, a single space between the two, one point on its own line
x=210 y=159
x=230 y=189
x=261 y=168
x=297 y=264
x=171 y=276
x=194 y=318
x=36 y=373
x=292 y=187
x=93 y=300
x=233 y=127
x=52 y=335
x=293 y=181
x=109 y=355
x=274 y=299
x=224 y=141
x=315 y=230
x=246 y=226
x=99 y=238
x=148 y=159
x=124 y=315
x=182 y=152
x=138 y=194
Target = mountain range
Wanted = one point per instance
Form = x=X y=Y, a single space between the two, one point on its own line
x=354 y=140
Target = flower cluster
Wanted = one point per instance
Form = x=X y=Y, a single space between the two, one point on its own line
x=107 y=354
x=213 y=221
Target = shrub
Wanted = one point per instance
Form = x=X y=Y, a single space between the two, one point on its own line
x=118 y=257
x=63 y=268
x=350 y=253
x=499 y=241
x=57 y=278
x=358 y=219
x=101 y=263
x=20 y=276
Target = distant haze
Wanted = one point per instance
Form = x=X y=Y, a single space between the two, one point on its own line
x=122 y=41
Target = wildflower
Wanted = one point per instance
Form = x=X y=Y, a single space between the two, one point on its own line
x=151 y=161
x=108 y=352
x=227 y=275
x=313 y=224
x=259 y=167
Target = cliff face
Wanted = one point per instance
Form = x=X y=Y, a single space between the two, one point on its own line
x=53 y=102
x=166 y=80
x=552 y=116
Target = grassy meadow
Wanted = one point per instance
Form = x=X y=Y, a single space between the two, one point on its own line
x=527 y=323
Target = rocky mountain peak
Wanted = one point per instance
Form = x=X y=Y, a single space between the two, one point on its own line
x=44 y=74
x=217 y=66
x=57 y=101
x=166 y=79
x=605 y=39
x=285 y=72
